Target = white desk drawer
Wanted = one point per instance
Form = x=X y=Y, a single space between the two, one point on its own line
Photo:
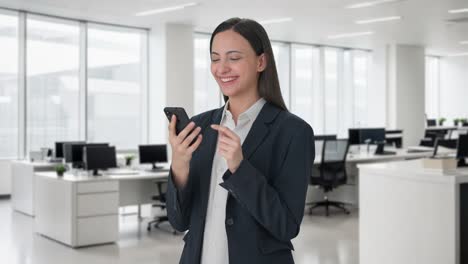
x=97 y=230
x=101 y=186
x=97 y=204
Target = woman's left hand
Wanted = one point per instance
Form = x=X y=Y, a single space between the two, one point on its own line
x=229 y=145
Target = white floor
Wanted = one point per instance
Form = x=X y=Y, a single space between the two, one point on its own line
x=321 y=240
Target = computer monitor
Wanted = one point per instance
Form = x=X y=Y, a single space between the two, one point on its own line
x=431 y=122
x=59 y=153
x=447 y=143
x=353 y=136
x=462 y=150
x=325 y=137
x=152 y=154
x=99 y=158
x=73 y=152
x=372 y=135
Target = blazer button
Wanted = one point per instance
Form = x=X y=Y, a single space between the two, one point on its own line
x=229 y=221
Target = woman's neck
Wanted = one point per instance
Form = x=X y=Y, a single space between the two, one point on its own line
x=238 y=105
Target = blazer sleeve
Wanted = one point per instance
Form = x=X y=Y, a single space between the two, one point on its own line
x=279 y=205
x=178 y=203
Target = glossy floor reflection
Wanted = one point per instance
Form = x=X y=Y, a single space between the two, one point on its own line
x=321 y=240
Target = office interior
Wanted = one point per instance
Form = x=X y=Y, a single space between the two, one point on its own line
x=83 y=84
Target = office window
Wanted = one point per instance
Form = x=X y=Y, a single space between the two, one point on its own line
x=52 y=100
x=432 y=87
x=331 y=72
x=281 y=53
x=115 y=98
x=306 y=93
x=207 y=94
x=8 y=85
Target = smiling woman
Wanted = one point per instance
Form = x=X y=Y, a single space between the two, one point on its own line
x=240 y=189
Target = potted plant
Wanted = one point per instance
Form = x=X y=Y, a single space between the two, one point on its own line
x=441 y=121
x=128 y=159
x=464 y=121
x=60 y=169
x=456 y=121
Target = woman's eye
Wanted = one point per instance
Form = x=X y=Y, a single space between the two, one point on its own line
x=234 y=59
x=214 y=60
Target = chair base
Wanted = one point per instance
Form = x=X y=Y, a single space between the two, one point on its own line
x=158 y=220
x=327 y=204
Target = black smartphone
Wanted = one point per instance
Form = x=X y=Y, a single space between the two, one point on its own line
x=182 y=118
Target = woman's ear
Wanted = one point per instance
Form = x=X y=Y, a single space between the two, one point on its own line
x=261 y=62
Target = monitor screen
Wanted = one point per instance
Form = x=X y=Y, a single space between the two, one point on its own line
x=73 y=152
x=431 y=122
x=152 y=153
x=99 y=157
x=372 y=135
x=59 y=149
x=462 y=147
x=353 y=136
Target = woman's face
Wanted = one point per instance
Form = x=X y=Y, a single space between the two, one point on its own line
x=234 y=64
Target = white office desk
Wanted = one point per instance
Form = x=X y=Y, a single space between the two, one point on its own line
x=369 y=157
x=83 y=210
x=22 y=173
x=409 y=214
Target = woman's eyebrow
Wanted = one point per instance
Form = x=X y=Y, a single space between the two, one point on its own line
x=227 y=53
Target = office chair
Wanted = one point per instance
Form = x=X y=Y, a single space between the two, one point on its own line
x=318 y=140
x=331 y=173
x=430 y=137
x=160 y=199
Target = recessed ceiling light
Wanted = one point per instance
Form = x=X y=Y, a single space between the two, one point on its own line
x=165 y=9
x=372 y=3
x=464 y=42
x=276 y=20
x=376 y=20
x=456 y=11
x=458 y=54
x=349 y=35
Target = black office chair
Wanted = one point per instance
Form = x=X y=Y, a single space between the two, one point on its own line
x=160 y=199
x=430 y=137
x=331 y=173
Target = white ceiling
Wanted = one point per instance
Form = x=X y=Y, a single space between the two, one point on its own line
x=424 y=21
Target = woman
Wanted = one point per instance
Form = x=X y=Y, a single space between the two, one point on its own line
x=240 y=188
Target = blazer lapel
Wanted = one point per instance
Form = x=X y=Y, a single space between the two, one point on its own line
x=259 y=130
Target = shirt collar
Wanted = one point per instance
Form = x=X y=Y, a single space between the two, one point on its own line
x=250 y=113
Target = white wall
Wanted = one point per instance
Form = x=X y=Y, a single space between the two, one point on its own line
x=453 y=88
x=179 y=66
x=377 y=88
x=170 y=75
x=406 y=94
x=5 y=177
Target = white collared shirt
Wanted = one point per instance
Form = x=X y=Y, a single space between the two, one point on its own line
x=215 y=245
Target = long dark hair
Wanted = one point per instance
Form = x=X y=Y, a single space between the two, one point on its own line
x=255 y=34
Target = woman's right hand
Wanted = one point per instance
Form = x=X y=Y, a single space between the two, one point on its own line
x=182 y=150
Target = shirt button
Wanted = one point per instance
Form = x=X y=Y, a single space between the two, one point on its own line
x=229 y=221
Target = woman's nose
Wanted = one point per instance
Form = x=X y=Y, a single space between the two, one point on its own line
x=223 y=67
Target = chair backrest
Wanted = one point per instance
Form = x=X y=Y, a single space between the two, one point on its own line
x=335 y=150
x=162 y=189
x=332 y=169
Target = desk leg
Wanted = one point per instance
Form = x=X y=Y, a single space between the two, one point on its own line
x=139 y=213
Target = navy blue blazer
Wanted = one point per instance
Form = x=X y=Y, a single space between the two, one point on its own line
x=266 y=199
